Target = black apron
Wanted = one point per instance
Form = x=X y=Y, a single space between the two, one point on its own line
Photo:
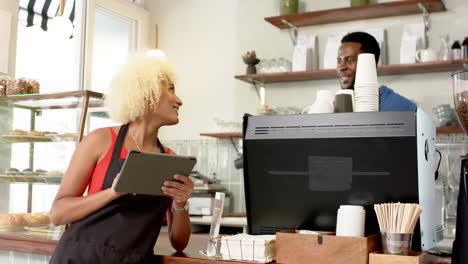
x=123 y=231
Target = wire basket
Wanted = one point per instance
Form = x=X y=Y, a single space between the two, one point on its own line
x=247 y=249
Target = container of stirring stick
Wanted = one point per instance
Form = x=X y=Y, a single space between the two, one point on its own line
x=397 y=222
x=396 y=243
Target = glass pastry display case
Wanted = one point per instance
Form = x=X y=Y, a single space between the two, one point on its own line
x=38 y=135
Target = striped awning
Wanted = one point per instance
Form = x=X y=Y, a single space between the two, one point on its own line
x=40 y=12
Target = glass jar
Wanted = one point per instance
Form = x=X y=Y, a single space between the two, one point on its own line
x=359 y=2
x=288 y=7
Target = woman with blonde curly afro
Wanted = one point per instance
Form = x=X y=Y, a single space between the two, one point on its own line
x=111 y=227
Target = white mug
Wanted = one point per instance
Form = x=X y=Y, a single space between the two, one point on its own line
x=425 y=55
x=323 y=103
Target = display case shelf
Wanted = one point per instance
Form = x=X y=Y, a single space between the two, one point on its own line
x=398 y=8
x=30 y=179
x=37 y=139
x=23 y=139
x=402 y=69
x=53 y=100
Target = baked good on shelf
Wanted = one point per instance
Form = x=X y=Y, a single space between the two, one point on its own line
x=12 y=171
x=41 y=172
x=3 y=86
x=56 y=173
x=34 y=86
x=2 y=90
x=36 y=133
x=36 y=219
x=22 y=86
x=11 y=220
x=27 y=172
x=19 y=132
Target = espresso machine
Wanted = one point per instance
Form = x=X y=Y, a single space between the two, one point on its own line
x=460 y=245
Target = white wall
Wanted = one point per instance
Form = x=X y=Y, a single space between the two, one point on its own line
x=11 y=6
x=205 y=40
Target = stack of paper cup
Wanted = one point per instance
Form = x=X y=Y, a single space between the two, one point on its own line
x=350 y=221
x=366 y=86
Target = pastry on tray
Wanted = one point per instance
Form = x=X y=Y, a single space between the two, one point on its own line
x=41 y=172
x=27 y=172
x=36 y=133
x=11 y=220
x=36 y=219
x=12 y=171
x=24 y=219
x=18 y=132
x=56 y=173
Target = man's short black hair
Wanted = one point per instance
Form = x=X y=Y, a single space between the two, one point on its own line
x=367 y=41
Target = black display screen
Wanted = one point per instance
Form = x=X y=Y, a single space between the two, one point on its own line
x=300 y=183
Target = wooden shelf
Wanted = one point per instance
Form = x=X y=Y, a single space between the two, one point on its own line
x=399 y=8
x=423 y=67
x=450 y=130
x=222 y=135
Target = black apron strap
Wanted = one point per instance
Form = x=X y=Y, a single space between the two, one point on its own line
x=163 y=151
x=119 y=142
x=110 y=174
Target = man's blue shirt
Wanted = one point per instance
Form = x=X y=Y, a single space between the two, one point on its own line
x=391 y=101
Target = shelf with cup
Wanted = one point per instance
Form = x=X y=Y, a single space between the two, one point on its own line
x=327 y=74
x=398 y=8
x=222 y=135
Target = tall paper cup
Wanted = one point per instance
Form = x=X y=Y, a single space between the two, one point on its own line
x=366 y=70
x=350 y=221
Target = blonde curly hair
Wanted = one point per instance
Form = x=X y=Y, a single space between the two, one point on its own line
x=137 y=86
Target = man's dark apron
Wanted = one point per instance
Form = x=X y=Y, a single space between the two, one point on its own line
x=123 y=231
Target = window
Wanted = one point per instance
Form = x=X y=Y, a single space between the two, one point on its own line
x=52 y=59
x=114 y=28
x=114 y=39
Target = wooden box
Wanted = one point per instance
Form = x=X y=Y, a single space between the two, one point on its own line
x=294 y=248
x=380 y=258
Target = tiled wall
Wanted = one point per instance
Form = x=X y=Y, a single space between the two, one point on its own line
x=216 y=157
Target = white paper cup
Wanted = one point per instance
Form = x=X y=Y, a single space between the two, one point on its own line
x=350 y=221
x=366 y=70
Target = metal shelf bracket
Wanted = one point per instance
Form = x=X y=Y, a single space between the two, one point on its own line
x=256 y=85
x=292 y=28
x=427 y=23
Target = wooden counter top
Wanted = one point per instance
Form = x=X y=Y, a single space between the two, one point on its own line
x=164 y=253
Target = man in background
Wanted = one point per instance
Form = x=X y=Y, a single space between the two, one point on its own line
x=354 y=44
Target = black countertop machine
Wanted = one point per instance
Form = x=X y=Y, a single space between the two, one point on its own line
x=460 y=245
